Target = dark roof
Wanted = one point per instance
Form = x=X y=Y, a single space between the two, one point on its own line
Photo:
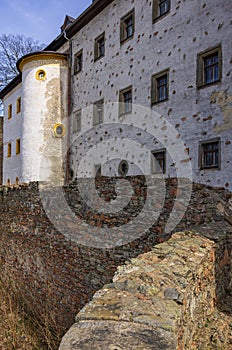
x=92 y=11
x=67 y=21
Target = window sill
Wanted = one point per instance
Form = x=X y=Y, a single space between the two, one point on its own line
x=98 y=58
x=123 y=41
x=156 y=19
x=213 y=167
x=158 y=102
x=217 y=82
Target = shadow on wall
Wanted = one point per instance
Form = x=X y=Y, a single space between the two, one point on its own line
x=223 y=274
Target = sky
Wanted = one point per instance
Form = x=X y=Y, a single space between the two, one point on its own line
x=38 y=19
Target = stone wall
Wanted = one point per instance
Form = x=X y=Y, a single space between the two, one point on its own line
x=164 y=299
x=55 y=276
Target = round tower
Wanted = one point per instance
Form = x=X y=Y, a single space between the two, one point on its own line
x=44 y=111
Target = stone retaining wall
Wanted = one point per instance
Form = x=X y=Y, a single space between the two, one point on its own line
x=164 y=299
x=55 y=277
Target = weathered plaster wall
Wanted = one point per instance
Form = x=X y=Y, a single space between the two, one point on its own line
x=44 y=105
x=172 y=42
x=12 y=166
x=54 y=275
x=164 y=299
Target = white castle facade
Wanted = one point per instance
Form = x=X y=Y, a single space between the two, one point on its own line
x=129 y=87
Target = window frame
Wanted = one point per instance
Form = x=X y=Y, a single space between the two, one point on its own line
x=98 y=40
x=17 y=146
x=202 y=144
x=77 y=55
x=154 y=169
x=9 y=149
x=201 y=57
x=9 y=111
x=18 y=105
x=154 y=87
x=97 y=170
x=96 y=118
x=156 y=15
x=123 y=27
x=78 y=129
x=122 y=102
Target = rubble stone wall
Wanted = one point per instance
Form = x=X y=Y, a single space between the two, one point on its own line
x=55 y=276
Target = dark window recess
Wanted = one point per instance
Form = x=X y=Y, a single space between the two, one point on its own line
x=210 y=156
x=98 y=112
x=158 y=162
x=159 y=88
x=125 y=99
x=160 y=8
x=97 y=170
x=99 y=47
x=209 y=67
x=123 y=168
x=78 y=62
x=127 y=26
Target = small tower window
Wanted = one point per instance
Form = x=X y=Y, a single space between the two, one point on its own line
x=59 y=130
x=40 y=74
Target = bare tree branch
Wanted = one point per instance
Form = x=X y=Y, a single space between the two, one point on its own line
x=13 y=47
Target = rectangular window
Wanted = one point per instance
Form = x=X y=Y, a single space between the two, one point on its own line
x=159 y=87
x=158 y=162
x=78 y=62
x=160 y=8
x=210 y=154
x=77 y=121
x=9 y=111
x=98 y=112
x=125 y=101
x=9 y=150
x=17 y=149
x=127 y=26
x=209 y=66
x=97 y=170
x=18 y=105
x=99 y=47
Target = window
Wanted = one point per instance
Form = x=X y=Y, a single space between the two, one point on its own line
x=17 y=146
x=210 y=154
x=77 y=121
x=40 y=75
x=18 y=105
x=159 y=87
x=8 y=182
x=209 y=67
x=97 y=170
x=9 y=150
x=59 y=130
x=160 y=8
x=9 y=111
x=125 y=101
x=123 y=168
x=98 y=112
x=78 y=62
x=127 y=26
x=99 y=47
x=158 y=162
x=17 y=180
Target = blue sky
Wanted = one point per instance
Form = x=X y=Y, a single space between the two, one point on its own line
x=38 y=19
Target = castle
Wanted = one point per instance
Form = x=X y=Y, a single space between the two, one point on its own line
x=88 y=93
